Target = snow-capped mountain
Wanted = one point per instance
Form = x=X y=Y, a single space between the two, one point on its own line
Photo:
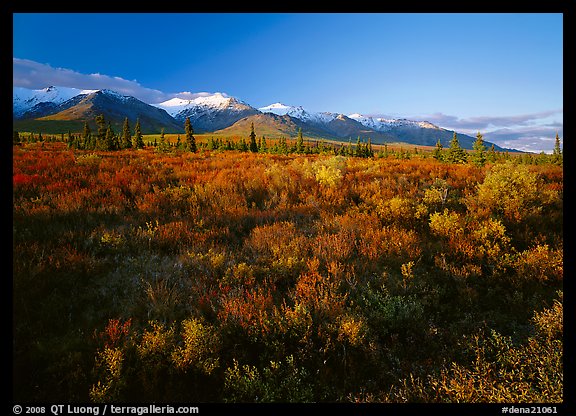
x=218 y=112
x=299 y=112
x=384 y=124
x=324 y=123
x=208 y=112
x=374 y=123
x=379 y=129
x=25 y=100
x=70 y=105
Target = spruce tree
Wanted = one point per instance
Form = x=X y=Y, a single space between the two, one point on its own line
x=455 y=153
x=557 y=157
x=491 y=155
x=437 y=153
x=358 y=151
x=137 y=140
x=87 y=136
x=369 y=151
x=300 y=142
x=253 y=144
x=163 y=145
x=479 y=155
x=110 y=139
x=242 y=146
x=101 y=136
x=126 y=142
x=190 y=139
x=282 y=145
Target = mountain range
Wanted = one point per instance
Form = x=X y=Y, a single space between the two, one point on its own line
x=59 y=109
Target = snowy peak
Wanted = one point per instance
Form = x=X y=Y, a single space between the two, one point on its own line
x=114 y=94
x=24 y=99
x=278 y=109
x=181 y=108
x=275 y=106
x=299 y=113
x=384 y=124
x=208 y=112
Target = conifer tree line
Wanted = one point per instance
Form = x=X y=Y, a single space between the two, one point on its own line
x=105 y=138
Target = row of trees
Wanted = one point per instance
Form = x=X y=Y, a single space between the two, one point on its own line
x=106 y=139
x=480 y=155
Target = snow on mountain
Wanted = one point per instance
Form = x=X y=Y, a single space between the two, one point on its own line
x=276 y=108
x=114 y=94
x=383 y=124
x=300 y=113
x=216 y=111
x=24 y=99
x=208 y=112
x=180 y=108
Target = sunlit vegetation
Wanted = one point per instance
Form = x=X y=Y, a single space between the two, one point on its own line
x=232 y=275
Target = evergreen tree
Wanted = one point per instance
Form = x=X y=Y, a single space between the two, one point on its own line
x=479 y=154
x=455 y=153
x=190 y=139
x=212 y=143
x=300 y=142
x=137 y=140
x=282 y=145
x=87 y=136
x=15 y=137
x=253 y=144
x=369 y=151
x=359 y=151
x=491 y=155
x=263 y=145
x=101 y=135
x=557 y=157
x=242 y=146
x=438 y=151
x=126 y=142
x=110 y=141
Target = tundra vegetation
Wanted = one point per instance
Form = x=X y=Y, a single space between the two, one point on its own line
x=284 y=272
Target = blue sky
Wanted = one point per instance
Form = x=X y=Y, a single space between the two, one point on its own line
x=501 y=74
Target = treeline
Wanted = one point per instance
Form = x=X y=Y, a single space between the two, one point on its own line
x=106 y=139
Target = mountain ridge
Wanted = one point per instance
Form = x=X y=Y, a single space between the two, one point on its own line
x=220 y=113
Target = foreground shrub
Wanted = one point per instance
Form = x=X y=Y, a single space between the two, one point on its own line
x=512 y=192
x=500 y=371
x=280 y=381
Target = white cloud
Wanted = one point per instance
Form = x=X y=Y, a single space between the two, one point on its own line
x=35 y=75
x=534 y=132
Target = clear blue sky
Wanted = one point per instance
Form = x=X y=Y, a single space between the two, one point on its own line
x=450 y=66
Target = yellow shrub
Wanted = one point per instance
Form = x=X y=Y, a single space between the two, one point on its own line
x=201 y=347
x=512 y=191
x=351 y=330
x=446 y=224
